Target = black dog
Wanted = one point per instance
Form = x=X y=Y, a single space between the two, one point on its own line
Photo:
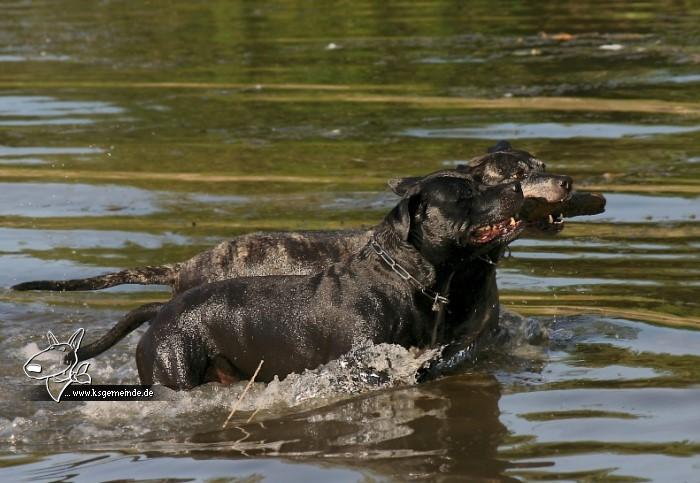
x=393 y=290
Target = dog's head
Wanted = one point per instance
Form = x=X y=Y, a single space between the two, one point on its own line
x=503 y=164
x=452 y=216
x=58 y=359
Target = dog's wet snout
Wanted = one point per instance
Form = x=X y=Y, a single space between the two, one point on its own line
x=516 y=188
x=551 y=187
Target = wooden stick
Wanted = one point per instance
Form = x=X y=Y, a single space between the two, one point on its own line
x=252 y=415
x=240 y=398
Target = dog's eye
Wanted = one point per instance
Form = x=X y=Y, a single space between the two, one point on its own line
x=520 y=173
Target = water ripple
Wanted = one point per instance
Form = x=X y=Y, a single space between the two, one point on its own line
x=550 y=130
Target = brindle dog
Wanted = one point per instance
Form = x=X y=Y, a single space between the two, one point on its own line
x=394 y=290
x=289 y=253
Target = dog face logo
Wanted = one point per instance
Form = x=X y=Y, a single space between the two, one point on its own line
x=58 y=365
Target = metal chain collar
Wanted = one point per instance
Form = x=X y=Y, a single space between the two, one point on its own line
x=401 y=272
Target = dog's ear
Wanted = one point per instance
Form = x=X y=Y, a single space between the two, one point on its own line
x=75 y=339
x=400 y=186
x=52 y=338
x=401 y=216
x=500 y=146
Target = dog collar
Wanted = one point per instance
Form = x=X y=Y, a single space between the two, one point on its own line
x=403 y=273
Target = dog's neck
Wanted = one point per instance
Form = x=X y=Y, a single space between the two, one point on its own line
x=436 y=277
x=407 y=254
x=403 y=253
x=479 y=266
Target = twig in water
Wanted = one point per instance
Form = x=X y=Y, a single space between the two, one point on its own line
x=240 y=398
x=252 y=415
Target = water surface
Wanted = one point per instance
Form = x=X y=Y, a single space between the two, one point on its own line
x=142 y=133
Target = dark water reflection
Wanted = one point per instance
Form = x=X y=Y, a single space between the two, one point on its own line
x=399 y=433
x=142 y=133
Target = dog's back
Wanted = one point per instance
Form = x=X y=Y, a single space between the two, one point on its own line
x=276 y=253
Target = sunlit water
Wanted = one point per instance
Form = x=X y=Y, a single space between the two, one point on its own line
x=142 y=134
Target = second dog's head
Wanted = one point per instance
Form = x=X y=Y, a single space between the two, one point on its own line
x=503 y=164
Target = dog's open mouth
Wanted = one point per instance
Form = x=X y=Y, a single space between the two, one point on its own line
x=500 y=230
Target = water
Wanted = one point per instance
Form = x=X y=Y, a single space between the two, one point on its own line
x=144 y=133
x=551 y=130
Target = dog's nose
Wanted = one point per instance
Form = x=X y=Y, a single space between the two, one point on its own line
x=517 y=188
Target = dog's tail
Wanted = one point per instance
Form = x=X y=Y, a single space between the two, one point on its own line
x=126 y=324
x=158 y=275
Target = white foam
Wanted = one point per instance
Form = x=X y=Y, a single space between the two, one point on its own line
x=368 y=367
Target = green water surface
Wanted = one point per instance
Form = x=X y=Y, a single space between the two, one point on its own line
x=137 y=133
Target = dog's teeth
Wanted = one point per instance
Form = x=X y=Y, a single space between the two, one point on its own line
x=512 y=221
x=550 y=218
